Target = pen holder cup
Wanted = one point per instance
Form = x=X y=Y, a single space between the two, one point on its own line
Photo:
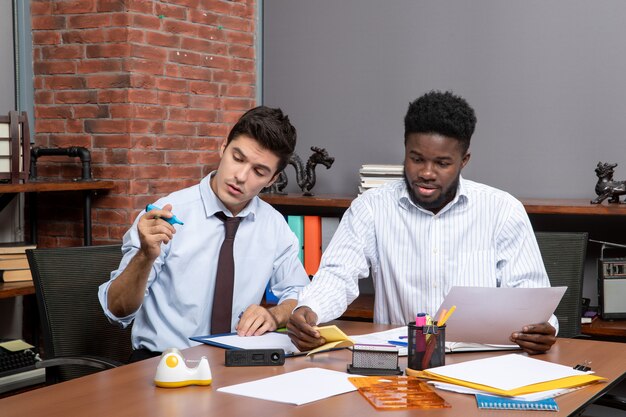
x=427 y=346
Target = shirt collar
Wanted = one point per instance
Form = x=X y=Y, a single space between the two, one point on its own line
x=460 y=198
x=212 y=204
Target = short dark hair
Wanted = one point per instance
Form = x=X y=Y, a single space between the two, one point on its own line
x=442 y=113
x=271 y=129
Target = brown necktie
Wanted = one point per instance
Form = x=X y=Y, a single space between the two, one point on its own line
x=225 y=278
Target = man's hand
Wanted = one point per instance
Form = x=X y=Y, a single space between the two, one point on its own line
x=153 y=231
x=301 y=329
x=535 y=338
x=255 y=321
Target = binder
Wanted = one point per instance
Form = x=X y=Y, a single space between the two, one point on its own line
x=329 y=226
x=296 y=224
x=492 y=402
x=312 y=244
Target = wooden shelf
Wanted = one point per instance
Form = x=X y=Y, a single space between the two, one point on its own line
x=13 y=289
x=9 y=191
x=294 y=203
x=614 y=329
x=572 y=206
x=46 y=186
x=317 y=205
x=299 y=200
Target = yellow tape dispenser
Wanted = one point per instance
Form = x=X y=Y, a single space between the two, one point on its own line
x=173 y=372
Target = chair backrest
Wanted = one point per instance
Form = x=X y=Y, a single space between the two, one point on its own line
x=66 y=285
x=564 y=258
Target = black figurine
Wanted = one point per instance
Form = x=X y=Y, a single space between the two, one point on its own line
x=305 y=175
x=606 y=187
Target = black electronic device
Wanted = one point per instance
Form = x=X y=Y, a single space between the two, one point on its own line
x=255 y=357
x=612 y=288
x=14 y=362
x=612 y=281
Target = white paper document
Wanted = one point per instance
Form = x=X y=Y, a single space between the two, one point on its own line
x=398 y=338
x=299 y=387
x=506 y=372
x=269 y=340
x=490 y=315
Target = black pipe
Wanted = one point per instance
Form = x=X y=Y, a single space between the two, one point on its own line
x=73 y=151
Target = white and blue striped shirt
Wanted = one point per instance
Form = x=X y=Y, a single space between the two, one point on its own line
x=483 y=237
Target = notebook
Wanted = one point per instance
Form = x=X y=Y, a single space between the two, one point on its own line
x=335 y=339
x=492 y=402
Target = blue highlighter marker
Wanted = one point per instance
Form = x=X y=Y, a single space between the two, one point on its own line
x=172 y=220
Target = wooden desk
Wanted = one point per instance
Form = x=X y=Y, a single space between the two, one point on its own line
x=9 y=191
x=130 y=391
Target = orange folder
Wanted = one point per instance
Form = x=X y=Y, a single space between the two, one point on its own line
x=312 y=243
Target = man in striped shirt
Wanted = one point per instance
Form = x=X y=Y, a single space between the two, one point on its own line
x=422 y=236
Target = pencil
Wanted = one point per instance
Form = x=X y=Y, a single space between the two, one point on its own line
x=447 y=316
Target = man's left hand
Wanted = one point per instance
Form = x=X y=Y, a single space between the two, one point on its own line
x=255 y=321
x=535 y=338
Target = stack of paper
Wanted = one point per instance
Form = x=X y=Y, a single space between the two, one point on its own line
x=510 y=375
x=373 y=176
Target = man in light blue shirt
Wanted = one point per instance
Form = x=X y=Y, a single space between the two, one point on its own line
x=167 y=277
x=423 y=235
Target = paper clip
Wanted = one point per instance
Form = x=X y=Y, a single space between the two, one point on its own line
x=584 y=367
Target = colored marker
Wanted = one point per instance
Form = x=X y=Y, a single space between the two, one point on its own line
x=397 y=343
x=172 y=220
x=447 y=316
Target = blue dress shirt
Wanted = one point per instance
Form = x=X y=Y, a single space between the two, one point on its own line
x=178 y=298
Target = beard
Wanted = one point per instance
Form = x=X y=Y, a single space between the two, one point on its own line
x=434 y=206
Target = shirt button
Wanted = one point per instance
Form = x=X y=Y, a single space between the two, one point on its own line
x=435 y=250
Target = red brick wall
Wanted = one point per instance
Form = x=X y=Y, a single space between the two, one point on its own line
x=150 y=87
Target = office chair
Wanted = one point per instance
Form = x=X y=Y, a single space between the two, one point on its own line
x=78 y=338
x=564 y=258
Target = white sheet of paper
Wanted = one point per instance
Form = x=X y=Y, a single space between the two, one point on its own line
x=383 y=338
x=490 y=315
x=270 y=340
x=506 y=372
x=298 y=387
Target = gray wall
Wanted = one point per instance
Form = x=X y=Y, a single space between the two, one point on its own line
x=547 y=80
x=7 y=60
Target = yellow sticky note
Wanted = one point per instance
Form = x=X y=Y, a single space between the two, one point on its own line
x=335 y=338
x=16 y=345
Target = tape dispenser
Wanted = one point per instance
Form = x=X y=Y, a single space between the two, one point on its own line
x=173 y=372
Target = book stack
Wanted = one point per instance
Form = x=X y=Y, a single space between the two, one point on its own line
x=373 y=176
x=13 y=262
